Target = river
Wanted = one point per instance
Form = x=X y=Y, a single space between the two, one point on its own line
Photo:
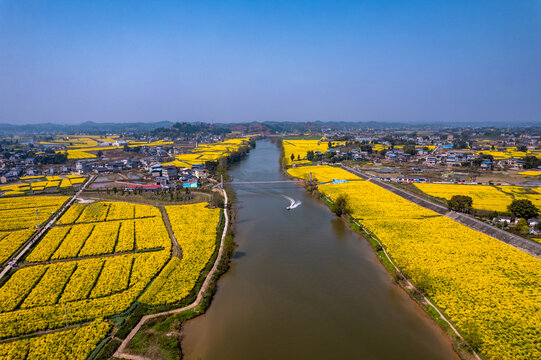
x=302 y=285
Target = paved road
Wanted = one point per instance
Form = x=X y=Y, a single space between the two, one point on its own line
x=37 y=235
x=520 y=243
x=120 y=353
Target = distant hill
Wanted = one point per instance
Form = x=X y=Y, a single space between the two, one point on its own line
x=88 y=127
x=167 y=128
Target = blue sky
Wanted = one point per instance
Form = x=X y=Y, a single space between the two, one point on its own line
x=237 y=61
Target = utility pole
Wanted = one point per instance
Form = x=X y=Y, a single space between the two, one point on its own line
x=222 y=181
x=37 y=218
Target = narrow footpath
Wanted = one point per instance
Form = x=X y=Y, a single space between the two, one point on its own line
x=518 y=242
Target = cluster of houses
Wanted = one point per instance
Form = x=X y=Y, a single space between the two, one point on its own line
x=13 y=174
x=397 y=155
x=452 y=158
x=505 y=220
x=93 y=166
x=404 y=180
x=165 y=175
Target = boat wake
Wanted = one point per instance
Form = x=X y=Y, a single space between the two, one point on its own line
x=293 y=203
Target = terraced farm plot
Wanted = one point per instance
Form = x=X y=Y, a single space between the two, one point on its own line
x=32 y=305
x=11 y=241
x=195 y=228
x=490 y=290
x=106 y=211
x=95 y=263
x=73 y=344
x=33 y=184
x=20 y=213
x=18 y=219
x=101 y=238
x=484 y=197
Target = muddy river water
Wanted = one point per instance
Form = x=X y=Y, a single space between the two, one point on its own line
x=302 y=285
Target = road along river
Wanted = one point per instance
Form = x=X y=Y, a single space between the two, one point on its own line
x=302 y=285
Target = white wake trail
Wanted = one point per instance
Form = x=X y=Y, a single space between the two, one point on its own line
x=292 y=202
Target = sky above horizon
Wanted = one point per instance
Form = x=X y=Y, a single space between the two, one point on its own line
x=240 y=61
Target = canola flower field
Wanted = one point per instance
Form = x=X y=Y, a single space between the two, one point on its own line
x=34 y=184
x=485 y=197
x=19 y=219
x=517 y=192
x=83 y=146
x=195 y=228
x=208 y=152
x=490 y=290
x=321 y=173
x=80 y=141
x=92 y=265
x=509 y=152
x=299 y=148
x=75 y=344
x=530 y=173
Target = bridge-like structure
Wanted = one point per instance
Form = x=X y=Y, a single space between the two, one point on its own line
x=264 y=182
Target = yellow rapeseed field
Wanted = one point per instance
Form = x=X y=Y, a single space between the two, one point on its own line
x=20 y=212
x=48 y=183
x=484 y=197
x=490 y=290
x=84 y=287
x=323 y=173
x=208 y=152
x=87 y=286
x=195 y=228
x=299 y=148
x=518 y=193
x=73 y=344
x=530 y=173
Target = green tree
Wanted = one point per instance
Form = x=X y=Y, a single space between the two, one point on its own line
x=460 y=203
x=523 y=209
x=340 y=206
x=292 y=157
x=409 y=149
x=531 y=162
x=522 y=226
